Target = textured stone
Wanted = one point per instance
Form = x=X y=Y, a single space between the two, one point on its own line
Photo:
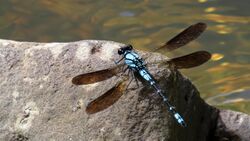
x=39 y=102
x=232 y=126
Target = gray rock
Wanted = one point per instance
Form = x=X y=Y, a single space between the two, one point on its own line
x=232 y=126
x=39 y=102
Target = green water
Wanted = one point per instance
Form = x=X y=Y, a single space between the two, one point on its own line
x=148 y=24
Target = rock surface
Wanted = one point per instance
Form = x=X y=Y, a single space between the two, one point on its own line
x=232 y=126
x=39 y=102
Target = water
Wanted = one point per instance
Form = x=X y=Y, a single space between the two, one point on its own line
x=145 y=25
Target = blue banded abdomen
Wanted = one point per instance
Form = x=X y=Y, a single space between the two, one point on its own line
x=145 y=75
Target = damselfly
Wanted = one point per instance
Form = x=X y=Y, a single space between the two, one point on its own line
x=136 y=65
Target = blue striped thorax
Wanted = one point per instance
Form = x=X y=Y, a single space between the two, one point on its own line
x=131 y=58
x=135 y=63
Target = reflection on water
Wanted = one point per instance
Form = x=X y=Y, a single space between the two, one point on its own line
x=242 y=106
x=228 y=98
x=147 y=25
x=236 y=100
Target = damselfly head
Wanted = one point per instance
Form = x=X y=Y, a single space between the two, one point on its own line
x=123 y=49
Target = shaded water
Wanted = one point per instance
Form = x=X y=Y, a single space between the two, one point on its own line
x=146 y=24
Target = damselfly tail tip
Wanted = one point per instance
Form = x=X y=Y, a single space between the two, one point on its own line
x=183 y=124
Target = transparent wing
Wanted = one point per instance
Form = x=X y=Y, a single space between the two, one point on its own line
x=92 y=77
x=186 y=36
x=107 y=99
x=188 y=61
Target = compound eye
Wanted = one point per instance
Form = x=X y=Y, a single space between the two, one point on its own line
x=130 y=47
x=120 y=51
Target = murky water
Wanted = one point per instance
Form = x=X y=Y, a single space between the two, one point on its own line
x=148 y=24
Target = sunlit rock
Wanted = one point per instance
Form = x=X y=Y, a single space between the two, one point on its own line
x=39 y=102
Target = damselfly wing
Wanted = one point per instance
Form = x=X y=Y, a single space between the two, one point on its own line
x=107 y=99
x=183 y=38
x=93 y=77
x=188 y=61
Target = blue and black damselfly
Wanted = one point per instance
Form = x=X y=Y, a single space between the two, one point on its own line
x=136 y=65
